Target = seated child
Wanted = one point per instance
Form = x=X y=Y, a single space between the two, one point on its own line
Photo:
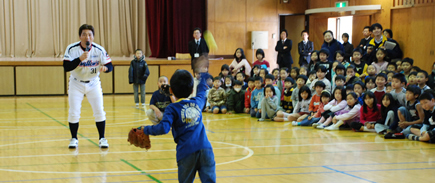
x=311 y=77
x=217 y=97
x=398 y=91
x=350 y=75
x=427 y=132
x=269 y=106
x=338 y=103
x=309 y=120
x=370 y=112
x=348 y=115
x=158 y=103
x=240 y=76
x=359 y=88
x=251 y=87
x=235 y=99
x=295 y=94
x=314 y=103
x=412 y=78
x=389 y=119
x=286 y=103
x=380 y=90
x=301 y=108
x=321 y=73
x=228 y=83
x=411 y=114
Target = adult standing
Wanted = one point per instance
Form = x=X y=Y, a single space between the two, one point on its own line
x=197 y=47
x=367 y=38
x=331 y=44
x=86 y=60
x=379 y=42
x=305 y=47
x=283 y=47
x=348 y=48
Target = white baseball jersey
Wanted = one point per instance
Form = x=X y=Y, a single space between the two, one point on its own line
x=89 y=69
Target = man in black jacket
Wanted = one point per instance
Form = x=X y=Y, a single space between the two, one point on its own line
x=367 y=38
x=305 y=47
x=197 y=47
x=283 y=47
x=348 y=48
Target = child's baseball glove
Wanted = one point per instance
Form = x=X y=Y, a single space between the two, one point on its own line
x=138 y=138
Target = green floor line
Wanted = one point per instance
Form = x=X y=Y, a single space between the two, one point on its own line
x=138 y=169
x=61 y=123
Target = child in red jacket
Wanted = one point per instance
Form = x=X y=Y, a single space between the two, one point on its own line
x=370 y=112
x=251 y=87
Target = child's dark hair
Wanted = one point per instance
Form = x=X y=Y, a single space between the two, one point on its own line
x=383 y=51
x=393 y=103
x=424 y=73
x=302 y=77
x=259 y=51
x=325 y=93
x=351 y=66
x=363 y=86
x=340 y=67
x=413 y=74
x=258 y=78
x=242 y=56
x=317 y=53
x=375 y=103
x=251 y=79
x=325 y=51
x=231 y=79
x=414 y=89
x=342 y=91
x=304 y=89
x=401 y=77
x=181 y=83
x=311 y=73
x=253 y=67
x=138 y=50
x=416 y=68
x=242 y=73
x=295 y=69
x=355 y=96
x=340 y=77
x=289 y=79
x=237 y=82
x=276 y=69
x=388 y=84
x=265 y=71
x=321 y=68
x=427 y=95
x=338 y=52
x=269 y=76
x=319 y=84
x=345 y=35
x=393 y=64
x=284 y=69
x=370 y=78
x=215 y=78
x=389 y=32
x=370 y=46
x=408 y=60
x=225 y=67
x=350 y=87
x=382 y=75
x=271 y=88
x=357 y=50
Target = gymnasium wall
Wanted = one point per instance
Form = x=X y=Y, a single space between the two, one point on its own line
x=231 y=23
x=412 y=26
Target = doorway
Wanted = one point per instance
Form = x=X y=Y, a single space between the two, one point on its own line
x=340 y=25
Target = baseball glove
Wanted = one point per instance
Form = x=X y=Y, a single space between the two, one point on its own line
x=138 y=138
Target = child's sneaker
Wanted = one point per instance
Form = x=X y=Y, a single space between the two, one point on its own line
x=332 y=127
x=314 y=125
x=143 y=106
x=320 y=126
x=260 y=119
x=73 y=143
x=103 y=143
x=295 y=123
x=137 y=106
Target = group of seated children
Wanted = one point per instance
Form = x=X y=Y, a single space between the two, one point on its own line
x=390 y=98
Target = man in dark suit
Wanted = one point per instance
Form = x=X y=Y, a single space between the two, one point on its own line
x=305 y=47
x=197 y=47
x=283 y=47
x=367 y=38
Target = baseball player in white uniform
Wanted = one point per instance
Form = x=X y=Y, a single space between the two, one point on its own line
x=86 y=60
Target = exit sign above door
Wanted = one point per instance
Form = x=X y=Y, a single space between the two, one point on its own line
x=341 y=4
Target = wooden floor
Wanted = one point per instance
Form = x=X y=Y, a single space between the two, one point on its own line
x=34 y=136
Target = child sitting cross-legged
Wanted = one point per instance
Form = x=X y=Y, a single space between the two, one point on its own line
x=269 y=104
x=338 y=103
x=349 y=114
x=309 y=120
x=217 y=97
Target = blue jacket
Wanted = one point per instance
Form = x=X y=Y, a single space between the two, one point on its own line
x=256 y=96
x=185 y=118
x=333 y=46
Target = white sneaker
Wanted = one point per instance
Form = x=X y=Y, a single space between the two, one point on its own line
x=73 y=143
x=143 y=106
x=332 y=127
x=295 y=123
x=103 y=143
x=320 y=127
x=137 y=106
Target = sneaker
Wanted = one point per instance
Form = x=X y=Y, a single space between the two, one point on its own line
x=320 y=127
x=295 y=123
x=143 y=106
x=73 y=143
x=332 y=127
x=137 y=106
x=314 y=125
x=103 y=143
x=260 y=119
